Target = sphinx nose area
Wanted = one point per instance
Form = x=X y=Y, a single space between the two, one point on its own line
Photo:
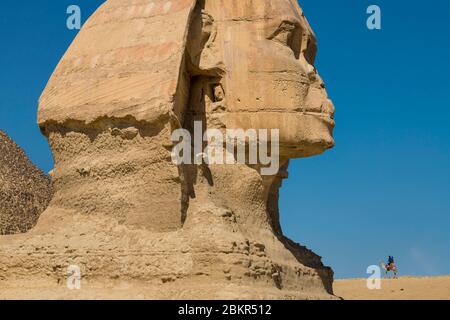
x=328 y=107
x=313 y=76
x=316 y=80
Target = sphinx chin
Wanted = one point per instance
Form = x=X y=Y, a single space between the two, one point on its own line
x=308 y=149
x=310 y=146
x=300 y=134
x=305 y=135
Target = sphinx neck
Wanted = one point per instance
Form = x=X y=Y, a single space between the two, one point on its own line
x=239 y=189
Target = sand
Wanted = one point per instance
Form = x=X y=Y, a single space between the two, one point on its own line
x=404 y=288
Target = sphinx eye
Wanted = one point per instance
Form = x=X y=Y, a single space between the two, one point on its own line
x=288 y=35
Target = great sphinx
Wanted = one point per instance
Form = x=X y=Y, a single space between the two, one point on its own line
x=134 y=221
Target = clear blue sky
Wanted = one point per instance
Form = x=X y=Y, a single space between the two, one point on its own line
x=385 y=187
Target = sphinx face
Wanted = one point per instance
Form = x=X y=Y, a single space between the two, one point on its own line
x=270 y=81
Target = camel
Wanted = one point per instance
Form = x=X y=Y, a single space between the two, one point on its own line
x=390 y=267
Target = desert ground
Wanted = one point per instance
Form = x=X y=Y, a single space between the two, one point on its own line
x=404 y=288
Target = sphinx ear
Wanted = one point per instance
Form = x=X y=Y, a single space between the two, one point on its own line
x=203 y=55
x=202 y=68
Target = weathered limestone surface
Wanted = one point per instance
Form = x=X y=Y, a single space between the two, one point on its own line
x=138 y=225
x=25 y=191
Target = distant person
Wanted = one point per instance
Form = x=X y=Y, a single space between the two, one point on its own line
x=390 y=266
x=390 y=261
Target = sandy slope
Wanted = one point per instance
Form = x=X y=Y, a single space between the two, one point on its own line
x=408 y=288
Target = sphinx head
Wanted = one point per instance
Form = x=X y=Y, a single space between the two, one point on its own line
x=138 y=70
x=253 y=62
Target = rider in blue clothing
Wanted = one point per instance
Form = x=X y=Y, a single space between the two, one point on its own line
x=390 y=260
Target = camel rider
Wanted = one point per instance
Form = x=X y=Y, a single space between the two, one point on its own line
x=390 y=262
